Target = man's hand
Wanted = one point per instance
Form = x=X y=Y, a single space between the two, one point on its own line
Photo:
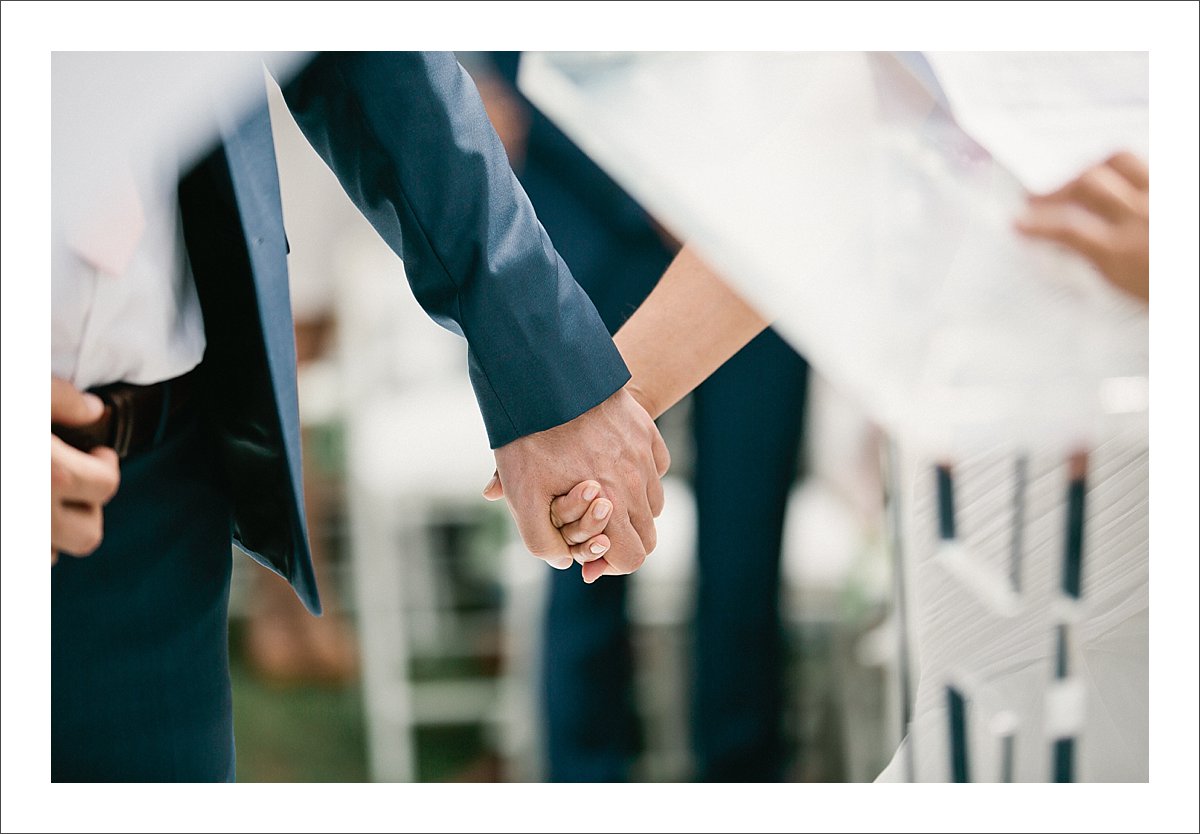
x=615 y=445
x=1104 y=215
x=81 y=483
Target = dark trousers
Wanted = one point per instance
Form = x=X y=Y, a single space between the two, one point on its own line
x=748 y=420
x=140 y=685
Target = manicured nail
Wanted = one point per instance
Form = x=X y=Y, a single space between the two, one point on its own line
x=602 y=509
x=598 y=548
x=591 y=492
x=562 y=564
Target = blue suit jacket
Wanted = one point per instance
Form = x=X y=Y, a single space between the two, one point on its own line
x=408 y=138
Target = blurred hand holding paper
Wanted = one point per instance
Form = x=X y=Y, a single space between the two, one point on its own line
x=868 y=209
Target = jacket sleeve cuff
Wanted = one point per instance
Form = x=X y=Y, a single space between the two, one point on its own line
x=528 y=381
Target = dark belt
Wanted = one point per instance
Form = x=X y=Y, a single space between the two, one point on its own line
x=135 y=417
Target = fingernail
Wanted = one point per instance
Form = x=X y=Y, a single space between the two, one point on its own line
x=602 y=509
x=598 y=548
x=591 y=492
x=491 y=483
x=563 y=563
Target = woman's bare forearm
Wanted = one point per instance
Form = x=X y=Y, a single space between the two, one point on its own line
x=687 y=328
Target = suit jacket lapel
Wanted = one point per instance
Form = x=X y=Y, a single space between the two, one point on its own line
x=233 y=226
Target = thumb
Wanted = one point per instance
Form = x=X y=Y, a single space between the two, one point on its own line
x=494 y=490
x=72 y=407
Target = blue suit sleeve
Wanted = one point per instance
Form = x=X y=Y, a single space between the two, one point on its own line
x=407 y=136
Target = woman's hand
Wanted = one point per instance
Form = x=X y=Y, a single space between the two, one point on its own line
x=1104 y=215
x=580 y=517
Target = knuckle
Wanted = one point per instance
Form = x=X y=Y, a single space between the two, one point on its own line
x=91 y=541
x=109 y=484
x=1094 y=181
x=635 y=562
x=84 y=538
x=1122 y=157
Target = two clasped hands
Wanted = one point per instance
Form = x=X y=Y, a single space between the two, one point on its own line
x=587 y=491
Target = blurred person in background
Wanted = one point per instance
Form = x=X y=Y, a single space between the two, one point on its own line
x=746 y=439
x=174 y=424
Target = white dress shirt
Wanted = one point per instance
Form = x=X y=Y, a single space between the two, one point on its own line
x=124 y=125
x=137 y=321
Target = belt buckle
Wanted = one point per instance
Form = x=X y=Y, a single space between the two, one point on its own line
x=121 y=425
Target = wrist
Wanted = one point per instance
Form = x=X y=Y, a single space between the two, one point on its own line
x=636 y=386
x=643 y=399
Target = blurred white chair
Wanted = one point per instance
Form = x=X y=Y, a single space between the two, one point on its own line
x=410 y=459
x=822 y=543
x=837 y=582
x=517 y=721
x=416 y=455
